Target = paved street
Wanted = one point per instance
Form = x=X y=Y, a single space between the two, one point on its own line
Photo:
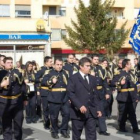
x=37 y=132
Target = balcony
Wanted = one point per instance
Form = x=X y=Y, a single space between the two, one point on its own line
x=52 y=2
x=119 y=3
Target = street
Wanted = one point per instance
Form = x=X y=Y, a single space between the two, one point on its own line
x=37 y=132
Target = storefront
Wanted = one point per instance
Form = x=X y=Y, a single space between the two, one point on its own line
x=25 y=46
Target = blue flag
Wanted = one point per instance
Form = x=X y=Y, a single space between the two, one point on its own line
x=135 y=36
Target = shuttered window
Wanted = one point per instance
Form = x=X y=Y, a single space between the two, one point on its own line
x=56 y=35
x=4 y=11
x=22 y=11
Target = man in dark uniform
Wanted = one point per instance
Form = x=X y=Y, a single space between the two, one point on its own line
x=56 y=80
x=136 y=71
x=126 y=97
x=70 y=66
x=85 y=106
x=112 y=65
x=19 y=67
x=43 y=92
x=12 y=95
x=103 y=92
x=1 y=68
x=1 y=61
x=135 y=62
x=119 y=67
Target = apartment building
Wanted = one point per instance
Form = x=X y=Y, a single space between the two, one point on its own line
x=30 y=29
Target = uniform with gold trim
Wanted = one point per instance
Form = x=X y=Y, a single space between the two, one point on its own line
x=58 y=99
x=38 y=98
x=126 y=98
x=44 y=94
x=1 y=68
x=31 y=106
x=72 y=68
x=103 y=90
x=112 y=67
x=21 y=71
x=136 y=71
x=109 y=76
x=11 y=103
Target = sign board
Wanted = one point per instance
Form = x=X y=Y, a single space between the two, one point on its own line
x=24 y=37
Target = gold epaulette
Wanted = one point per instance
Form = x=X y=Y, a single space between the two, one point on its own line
x=65 y=79
x=116 y=71
x=20 y=70
x=101 y=74
x=134 y=78
x=46 y=72
x=75 y=69
x=20 y=80
x=67 y=72
x=102 y=66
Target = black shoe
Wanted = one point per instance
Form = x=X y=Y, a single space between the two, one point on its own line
x=55 y=135
x=1 y=131
x=46 y=127
x=104 y=133
x=136 y=131
x=65 y=135
x=28 y=121
x=109 y=117
x=122 y=130
x=34 y=121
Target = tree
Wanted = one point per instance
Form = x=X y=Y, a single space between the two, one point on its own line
x=95 y=29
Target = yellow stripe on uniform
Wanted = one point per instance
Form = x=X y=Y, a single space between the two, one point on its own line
x=99 y=87
x=128 y=89
x=10 y=97
x=54 y=89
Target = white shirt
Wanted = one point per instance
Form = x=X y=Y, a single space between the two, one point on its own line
x=82 y=74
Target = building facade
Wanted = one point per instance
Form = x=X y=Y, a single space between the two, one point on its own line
x=37 y=27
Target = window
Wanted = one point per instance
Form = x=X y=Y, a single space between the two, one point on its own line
x=136 y=11
x=4 y=11
x=63 y=33
x=62 y=11
x=52 y=10
x=22 y=11
x=56 y=35
x=118 y=13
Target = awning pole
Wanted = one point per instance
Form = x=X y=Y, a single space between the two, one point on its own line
x=14 y=49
